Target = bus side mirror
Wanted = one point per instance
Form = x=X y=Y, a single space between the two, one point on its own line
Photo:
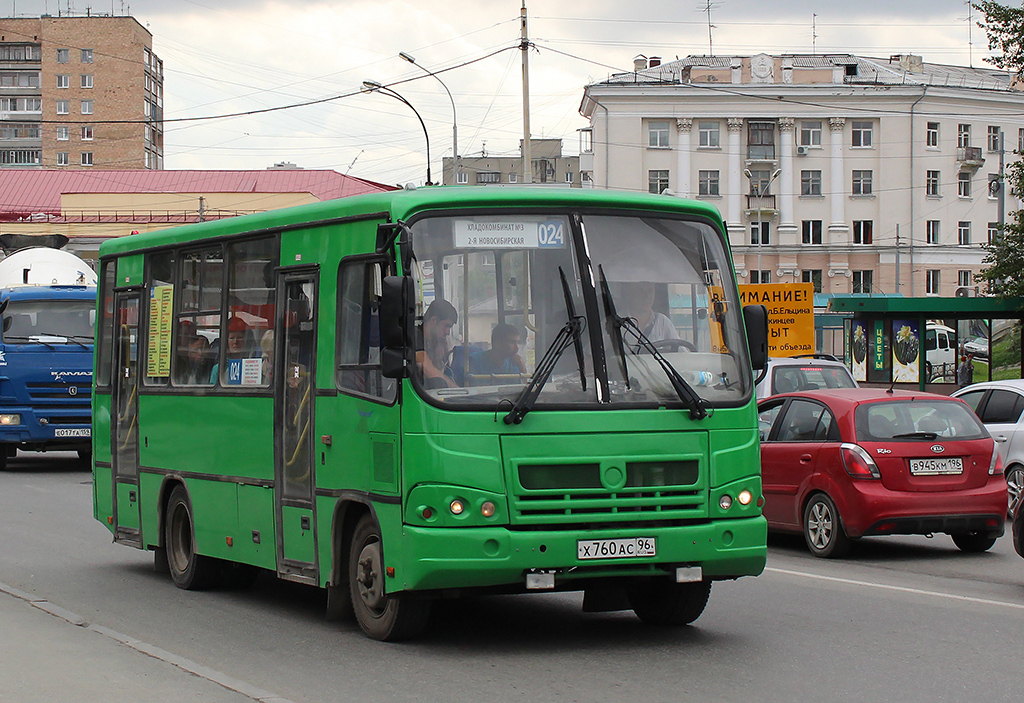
x=8 y=321
x=396 y=294
x=755 y=317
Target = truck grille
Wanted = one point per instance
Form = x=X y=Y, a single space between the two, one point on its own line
x=58 y=394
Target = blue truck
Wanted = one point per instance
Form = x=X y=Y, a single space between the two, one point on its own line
x=47 y=318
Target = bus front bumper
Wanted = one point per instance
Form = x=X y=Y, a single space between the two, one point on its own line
x=488 y=557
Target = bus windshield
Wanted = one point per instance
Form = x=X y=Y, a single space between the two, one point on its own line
x=493 y=292
x=49 y=321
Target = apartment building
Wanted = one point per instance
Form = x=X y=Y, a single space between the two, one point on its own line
x=549 y=166
x=79 y=93
x=859 y=175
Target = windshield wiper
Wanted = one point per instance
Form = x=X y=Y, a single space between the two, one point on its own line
x=570 y=333
x=29 y=338
x=684 y=390
x=614 y=325
x=76 y=338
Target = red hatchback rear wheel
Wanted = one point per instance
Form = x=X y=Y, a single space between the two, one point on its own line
x=823 y=529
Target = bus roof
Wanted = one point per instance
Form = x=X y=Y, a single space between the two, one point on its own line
x=401 y=204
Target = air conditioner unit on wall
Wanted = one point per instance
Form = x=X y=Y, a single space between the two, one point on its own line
x=966 y=292
x=801 y=151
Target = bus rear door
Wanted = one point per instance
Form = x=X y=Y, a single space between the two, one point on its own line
x=125 y=410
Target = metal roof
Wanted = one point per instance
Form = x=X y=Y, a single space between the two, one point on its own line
x=27 y=192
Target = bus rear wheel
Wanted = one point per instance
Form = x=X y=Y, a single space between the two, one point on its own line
x=663 y=602
x=190 y=571
x=383 y=617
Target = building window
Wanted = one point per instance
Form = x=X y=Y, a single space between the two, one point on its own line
x=964 y=278
x=86 y=56
x=862 y=135
x=811 y=231
x=812 y=276
x=862 y=231
x=863 y=281
x=462 y=178
x=488 y=177
x=963 y=135
x=63 y=55
x=657 y=181
x=513 y=177
x=63 y=107
x=932 y=135
x=1020 y=140
x=710 y=136
x=994 y=137
x=931 y=282
x=63 y=133
x=760 y=183
x=862 y=182
x=761 y=276
x=931 y=183
x=657 y=135
x=963 y=233
x=87 y=133
x=568 y=176
x=963 y=184
x=810 y=133
x=87 y=107
x=761 y=140
x=931 y=231
x=12 y=79
x=63 y=80
x=810 y=182
x=993 y=232
x=87 y=158
x=708 y=183
x=87 y=80
x=765 y=238
x=62 y=158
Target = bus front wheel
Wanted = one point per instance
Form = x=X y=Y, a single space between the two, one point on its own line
x=384 y=617
x=189 y=570
x=666 y=603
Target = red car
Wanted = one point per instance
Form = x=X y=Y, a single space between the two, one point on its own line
x=846 y=463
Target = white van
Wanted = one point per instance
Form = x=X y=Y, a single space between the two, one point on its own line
x=940 y=352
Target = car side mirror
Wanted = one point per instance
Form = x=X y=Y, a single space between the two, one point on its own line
x=755 y=317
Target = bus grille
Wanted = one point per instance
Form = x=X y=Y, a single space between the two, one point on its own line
x=553 y=494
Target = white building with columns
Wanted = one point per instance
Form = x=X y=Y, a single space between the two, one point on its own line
x=859 y=175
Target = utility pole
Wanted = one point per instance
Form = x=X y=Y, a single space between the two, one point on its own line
x=897 y=258
x=202 y=209
x=524 y=46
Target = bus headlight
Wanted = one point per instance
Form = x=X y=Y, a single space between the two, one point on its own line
x=10 y=419
x=725 y=502
x=487 y=509
x=457 y=507
x=744 y=497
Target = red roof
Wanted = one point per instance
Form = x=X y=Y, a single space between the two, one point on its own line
x=24 y=192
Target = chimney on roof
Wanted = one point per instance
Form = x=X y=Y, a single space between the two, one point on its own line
x=909 y=63
x=284 y=166
x=654 y=62
x=639 y=62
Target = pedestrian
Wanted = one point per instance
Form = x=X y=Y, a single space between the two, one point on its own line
x=965 y=371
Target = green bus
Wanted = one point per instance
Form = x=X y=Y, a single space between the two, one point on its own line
x=410 y=395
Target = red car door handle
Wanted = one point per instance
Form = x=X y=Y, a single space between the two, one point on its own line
x=805 y=458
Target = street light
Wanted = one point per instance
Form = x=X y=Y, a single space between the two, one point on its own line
x=760 y=192
x=375 y=87
x=455 y=122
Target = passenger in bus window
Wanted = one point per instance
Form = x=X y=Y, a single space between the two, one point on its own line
x=638 y=302
x=197 y=362
x=432 y=360
x=503 y=356
x=239 y=344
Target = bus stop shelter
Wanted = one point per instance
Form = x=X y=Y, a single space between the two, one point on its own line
x=918 y=342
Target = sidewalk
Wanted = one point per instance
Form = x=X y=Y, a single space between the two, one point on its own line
x=50 y=655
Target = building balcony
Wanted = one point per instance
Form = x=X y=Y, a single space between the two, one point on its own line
x=764 y=204
x=970 y=156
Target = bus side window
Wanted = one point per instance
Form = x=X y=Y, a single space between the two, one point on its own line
x=359 y=343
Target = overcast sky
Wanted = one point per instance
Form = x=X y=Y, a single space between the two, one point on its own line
x=232 y=56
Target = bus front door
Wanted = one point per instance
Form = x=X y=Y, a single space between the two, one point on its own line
x=125 y=411
x=294 y=400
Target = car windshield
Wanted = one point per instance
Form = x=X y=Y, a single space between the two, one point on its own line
x=493 y=293
x=49 y=321
x=809 y=377
x=917 y=419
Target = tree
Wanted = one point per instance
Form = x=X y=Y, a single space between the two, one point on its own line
x=1004 y=255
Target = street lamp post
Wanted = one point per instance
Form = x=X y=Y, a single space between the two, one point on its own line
x=375 y=87
x=760 y=191
x=455 y=119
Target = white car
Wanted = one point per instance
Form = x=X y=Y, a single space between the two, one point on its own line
x=1000 y=405
x=804 y=373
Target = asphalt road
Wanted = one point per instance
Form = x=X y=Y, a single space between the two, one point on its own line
x=908 y=619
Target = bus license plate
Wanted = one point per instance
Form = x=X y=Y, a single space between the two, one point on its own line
x=75 y=432
x=930 y=467
x=616 y=548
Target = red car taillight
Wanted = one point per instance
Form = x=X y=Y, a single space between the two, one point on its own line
x=996 y=465
x=857 y=462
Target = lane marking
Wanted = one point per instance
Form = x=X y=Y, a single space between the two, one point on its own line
x=232 y=684
x=899 y=589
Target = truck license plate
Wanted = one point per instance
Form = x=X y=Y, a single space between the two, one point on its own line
x=616 y=548
x=73 y=432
